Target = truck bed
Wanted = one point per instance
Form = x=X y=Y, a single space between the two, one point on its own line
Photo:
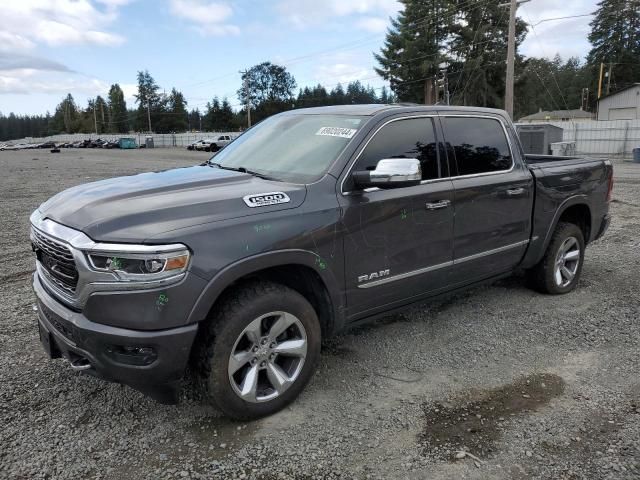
x=535 y=160
x=558 y=179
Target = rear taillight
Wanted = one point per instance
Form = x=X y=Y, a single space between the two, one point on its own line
x=610 y=188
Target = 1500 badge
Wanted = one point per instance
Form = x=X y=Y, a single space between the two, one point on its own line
x=264 y=199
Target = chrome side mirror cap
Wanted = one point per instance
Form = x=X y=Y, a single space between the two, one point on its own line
x=390 y=173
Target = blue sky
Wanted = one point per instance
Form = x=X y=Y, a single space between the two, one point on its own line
x=51 y=47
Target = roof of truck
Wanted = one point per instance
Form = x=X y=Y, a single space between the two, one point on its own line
x=372 y=109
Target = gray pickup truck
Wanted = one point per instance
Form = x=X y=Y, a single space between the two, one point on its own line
x=310 y=222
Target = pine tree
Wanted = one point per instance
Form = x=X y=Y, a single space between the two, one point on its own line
x=147 y=98
x=337 y=96
x=414 y=48
x=66 y=115
x=479 y=49
x=615 y=37
x=211 y=120
x=118 y=120
x=226 y=116
x=177 y=110
x=102 y=114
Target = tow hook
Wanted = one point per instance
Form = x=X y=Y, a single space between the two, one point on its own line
x=80 y=364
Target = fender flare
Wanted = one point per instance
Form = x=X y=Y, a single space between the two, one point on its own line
x=532 y=257
x=569 y=202
x=262 y=261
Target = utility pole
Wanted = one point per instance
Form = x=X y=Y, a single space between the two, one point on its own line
x=445 y=82
x=511 y=54
x=609 y=78
x=600 y=80
x=95 y=121
x=149 y=114
x=585 y=99
x=246 y=94
x=429 y=87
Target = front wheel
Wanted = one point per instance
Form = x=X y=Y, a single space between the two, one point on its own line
x=259 y=350
x=559 y=270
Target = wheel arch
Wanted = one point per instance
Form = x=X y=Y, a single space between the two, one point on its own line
x=299 y=270
x=575 y=209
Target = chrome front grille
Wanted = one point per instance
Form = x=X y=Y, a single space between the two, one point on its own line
x=56 y=260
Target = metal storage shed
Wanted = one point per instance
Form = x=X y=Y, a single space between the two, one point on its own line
x=537 y=139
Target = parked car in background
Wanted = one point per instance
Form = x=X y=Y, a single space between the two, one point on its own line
x=194 y=145
x=219 y=143
x=204 y=145
x=111 y=144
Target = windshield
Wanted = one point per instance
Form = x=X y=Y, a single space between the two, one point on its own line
x=292 y=148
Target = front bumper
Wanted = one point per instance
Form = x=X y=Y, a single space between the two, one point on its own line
x=103 y=350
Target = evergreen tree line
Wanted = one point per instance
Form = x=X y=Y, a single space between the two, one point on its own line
x=462 y=45
x=431 y=48
x=169 y=113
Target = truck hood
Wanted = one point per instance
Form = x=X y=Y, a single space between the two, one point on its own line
x=135 y=208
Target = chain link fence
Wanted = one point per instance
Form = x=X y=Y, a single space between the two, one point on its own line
x=615 y=140
x=160 y=140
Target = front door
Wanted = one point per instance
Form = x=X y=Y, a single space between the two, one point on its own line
x=398 y=241
x=493 y=198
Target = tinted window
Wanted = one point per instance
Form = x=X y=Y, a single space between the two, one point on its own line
x=410 y=138
x=478 y=144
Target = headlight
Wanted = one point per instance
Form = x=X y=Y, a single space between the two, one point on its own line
x=135 y=266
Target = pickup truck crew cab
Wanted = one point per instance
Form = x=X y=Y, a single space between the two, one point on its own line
x=309 y=222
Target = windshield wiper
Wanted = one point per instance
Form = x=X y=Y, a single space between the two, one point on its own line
x=242 y=170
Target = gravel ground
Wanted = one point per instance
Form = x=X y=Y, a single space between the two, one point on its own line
x=498 y=383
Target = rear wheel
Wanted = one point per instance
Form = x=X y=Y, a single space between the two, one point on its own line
x=260 y=350
x=560 y=268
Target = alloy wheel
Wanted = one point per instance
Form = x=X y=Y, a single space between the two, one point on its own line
x=267 y=357
x=567 y=262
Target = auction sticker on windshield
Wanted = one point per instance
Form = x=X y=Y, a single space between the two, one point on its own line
x=337 y=132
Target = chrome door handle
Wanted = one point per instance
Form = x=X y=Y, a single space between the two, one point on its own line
x=438 y=205
x=514 y=192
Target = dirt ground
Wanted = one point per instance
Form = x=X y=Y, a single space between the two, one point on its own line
x=498 y=383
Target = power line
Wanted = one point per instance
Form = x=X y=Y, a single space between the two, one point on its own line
x=420 y=23
x=560 y=18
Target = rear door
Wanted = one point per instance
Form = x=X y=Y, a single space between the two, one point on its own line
x=398 y=241
x=493 y=197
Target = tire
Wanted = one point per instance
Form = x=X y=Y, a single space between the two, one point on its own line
x=214 y=147
x=233 y=328
x=548 y=276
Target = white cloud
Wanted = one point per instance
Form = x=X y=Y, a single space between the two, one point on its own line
x=341 y=73
x=343 y=68
x=568 y=37
x=129 y=90
x=29 y=81
x=24 y=23
x=373 y=24
x=10 y=42
x=208 y=18
x=302 y=13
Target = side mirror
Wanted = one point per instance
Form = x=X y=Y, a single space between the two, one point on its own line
x=390 y=173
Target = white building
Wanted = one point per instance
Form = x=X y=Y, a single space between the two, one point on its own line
x=622 y=105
